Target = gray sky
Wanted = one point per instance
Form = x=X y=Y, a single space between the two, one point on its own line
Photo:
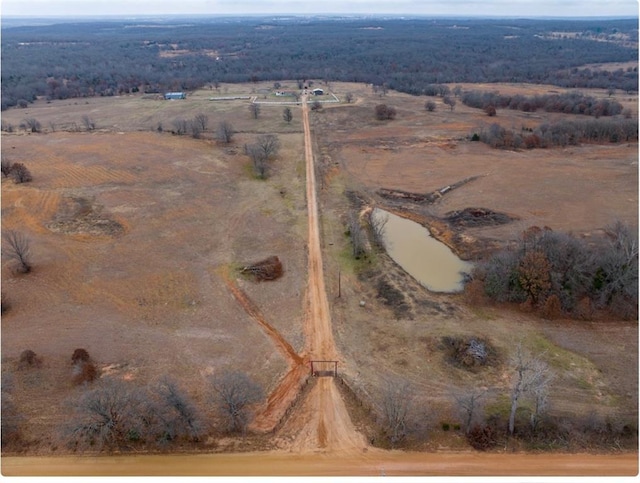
x=528 y=8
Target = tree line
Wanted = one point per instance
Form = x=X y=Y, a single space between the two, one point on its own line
x=559 y=274
x=560 y=133
x=568 y=103
x=409 y=55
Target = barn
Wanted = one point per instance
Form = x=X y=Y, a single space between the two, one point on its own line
x=175 y=95
x=318 y=92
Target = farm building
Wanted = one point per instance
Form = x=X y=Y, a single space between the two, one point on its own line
x=318 y=92
x=175 y=95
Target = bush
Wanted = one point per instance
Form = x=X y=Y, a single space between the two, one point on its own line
x=28 y=358
x=80 y=355
x=482 y=438
x=20 y=173
x=384 y=112
x=83 y=372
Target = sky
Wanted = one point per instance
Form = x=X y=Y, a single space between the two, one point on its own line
x=459 y=8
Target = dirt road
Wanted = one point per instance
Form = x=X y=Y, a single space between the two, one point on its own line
x=372 y=462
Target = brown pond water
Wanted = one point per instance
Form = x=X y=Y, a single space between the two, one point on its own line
x=429 y=261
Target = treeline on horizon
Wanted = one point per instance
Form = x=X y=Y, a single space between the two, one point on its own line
x=408 y=55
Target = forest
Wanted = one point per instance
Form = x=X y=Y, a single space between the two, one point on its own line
x=74 y=59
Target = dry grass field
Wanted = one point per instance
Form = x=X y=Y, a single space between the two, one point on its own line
x=132 y=231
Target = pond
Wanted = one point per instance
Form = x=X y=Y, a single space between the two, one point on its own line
x=429 y=261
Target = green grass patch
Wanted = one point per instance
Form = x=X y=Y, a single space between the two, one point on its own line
x=556 y=356
x=482 y=313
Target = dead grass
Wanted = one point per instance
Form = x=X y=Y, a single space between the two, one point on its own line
x=151 y=301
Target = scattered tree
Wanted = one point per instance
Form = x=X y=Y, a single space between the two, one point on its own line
x=28 y=358
x=233 y=394
x=348 y=97
x=384 y=112
x=31 y=124
x=262 y=151
x=20 y=173
x=109 y=415
x=470 y=405
x=397 y=411
x=5 y=166
x=357 y=234
x=89 y=124
x=83 y=369
x=531 y=375
x=80 y=355
x=11 y=418
x=180 y=126
x=254 y=109
x=175 y=416
x=224 y=132
x=430 y=106
x=449 y=101
x=378 y=223
x=287 y=115
x=490 y=111
x=202 y=121
x=16 y=247
x=316 y=105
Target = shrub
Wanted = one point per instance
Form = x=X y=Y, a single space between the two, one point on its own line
x=384 y=112
x=20 y=173
x=482 y=438
x=83 y=372
x=80 y=355
x=28 y=358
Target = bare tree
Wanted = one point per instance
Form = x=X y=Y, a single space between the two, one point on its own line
x=316 y=105
x=378 y=222
x=233 y=395
x=254 y=109
x=348 y=97
x=110 y=416
x=202 y=120
x=262 y=151
x=11 y=417
x=195 y=128
x=449 y=101
x=430 y=106
x=470 y=405
x=16 y=247
x=224 y=132
x=287 y=115
x=397 y=410
x=175 y=414
x=89 y=124
x=31 y=124
x=5 y=166
x=20 y=173
x=180 y=126
x=618 y=274
x=357 y=235
x=531 y=375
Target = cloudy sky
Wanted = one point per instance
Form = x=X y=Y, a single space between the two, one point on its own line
x=528 y=8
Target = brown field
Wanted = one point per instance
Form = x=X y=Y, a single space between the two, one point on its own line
x=133 y=231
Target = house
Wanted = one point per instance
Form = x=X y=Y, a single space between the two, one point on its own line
x=175 y=95
x=318 y=92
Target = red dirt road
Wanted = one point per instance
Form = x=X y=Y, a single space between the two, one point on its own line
x=372 y=462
